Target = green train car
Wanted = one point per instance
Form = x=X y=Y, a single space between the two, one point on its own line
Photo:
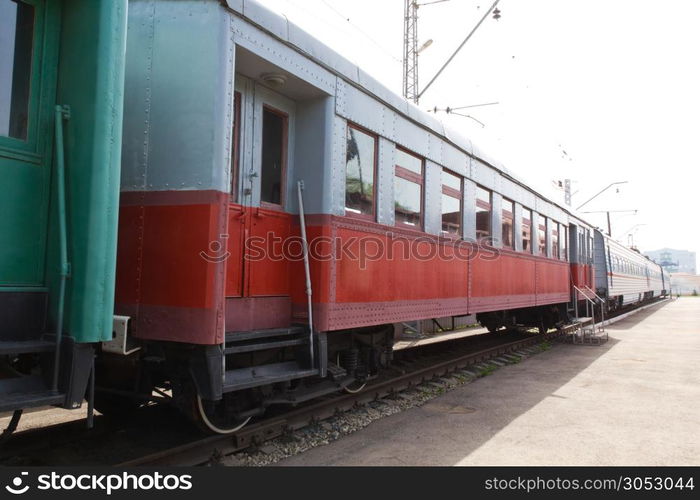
x=61 y=104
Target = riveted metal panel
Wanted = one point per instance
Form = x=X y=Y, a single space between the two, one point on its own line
x=455 y=160
x=321 y=52
x=385 y=184
x=341 y=97
x=225 y=128
x=469 y=204
x=559 y=215
x=496 y=212
x=435 y=149
x=459 y=140
x=426 y=119
x=338 y=166
x=264 y=17
x=412 y=137
x=313 y=155
x=361 y=109
x=377 y=89
x=498 y=178
x=509 y=189
x=236 y=5
x=137 y=97
x=484 y=175
x=433 y=198
x=541 y=206
x=518 y=227
x=281 y=55
x=528 y=199
x=198 y=106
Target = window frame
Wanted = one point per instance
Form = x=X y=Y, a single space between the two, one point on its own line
x=478 y=203
x=507 y=201
x=541 y=246
x=285 y=158
x=375 y=173
x=523 y=224
x=409 y=175
x=453 y=193
x=555 y=250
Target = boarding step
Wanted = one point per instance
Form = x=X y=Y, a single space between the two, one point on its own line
x=25 y=346
x=26 y=392
x=260 y=340
x=255 y=376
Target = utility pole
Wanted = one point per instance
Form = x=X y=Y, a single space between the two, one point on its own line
x=608 y=212
x=410 y=50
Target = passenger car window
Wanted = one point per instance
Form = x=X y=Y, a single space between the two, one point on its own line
x=451 y=203
x=16 y=40
x=483 y=214
x=360 y=164
x=507 y=215
x=408 y=190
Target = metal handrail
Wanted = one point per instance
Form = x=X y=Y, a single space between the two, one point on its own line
x=602 y=304
x=307 y=270
x=61 y=113
x=589 y=300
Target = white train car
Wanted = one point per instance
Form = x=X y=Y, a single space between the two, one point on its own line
x=630 y=277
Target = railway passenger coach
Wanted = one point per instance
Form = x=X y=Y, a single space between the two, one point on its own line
x=625 y=276
x=280 y=212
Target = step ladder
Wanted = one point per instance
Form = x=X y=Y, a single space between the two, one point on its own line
x=295 y=337
x=22 y=327
x=586 y=331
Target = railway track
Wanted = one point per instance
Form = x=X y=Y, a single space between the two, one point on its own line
x=158 y=437
x=210 y=450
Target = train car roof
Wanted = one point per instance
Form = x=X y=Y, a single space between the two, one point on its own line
x=285 y=30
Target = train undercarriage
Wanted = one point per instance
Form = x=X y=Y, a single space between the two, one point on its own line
x=222 y=387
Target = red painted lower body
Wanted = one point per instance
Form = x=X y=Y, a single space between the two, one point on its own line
x=366 y=274
x=171 y=266
x=191 y=266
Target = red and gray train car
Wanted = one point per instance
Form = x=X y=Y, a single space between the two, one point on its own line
x=229 y=110
x=227 y=300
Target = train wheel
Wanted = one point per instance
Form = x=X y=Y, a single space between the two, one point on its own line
x=214 y=418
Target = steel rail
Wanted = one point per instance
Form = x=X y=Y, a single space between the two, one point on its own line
x=213 y=448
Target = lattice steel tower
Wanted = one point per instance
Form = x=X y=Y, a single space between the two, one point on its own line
x=410 y=50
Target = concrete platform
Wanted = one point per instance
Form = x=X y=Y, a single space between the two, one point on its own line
x=632 y=401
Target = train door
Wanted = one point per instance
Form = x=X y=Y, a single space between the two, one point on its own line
x=26 y=84
x=271 y=223
x=260 y=225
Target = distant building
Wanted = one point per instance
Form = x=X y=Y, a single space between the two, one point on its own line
x=675 y=261
x=685 y=284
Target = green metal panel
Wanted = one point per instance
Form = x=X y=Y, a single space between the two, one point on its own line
x=90 y=81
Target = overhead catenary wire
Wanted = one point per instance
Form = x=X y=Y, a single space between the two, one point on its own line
x=361 y=31
x=454 y=54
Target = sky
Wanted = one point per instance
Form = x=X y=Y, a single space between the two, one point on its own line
x=596 y=91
